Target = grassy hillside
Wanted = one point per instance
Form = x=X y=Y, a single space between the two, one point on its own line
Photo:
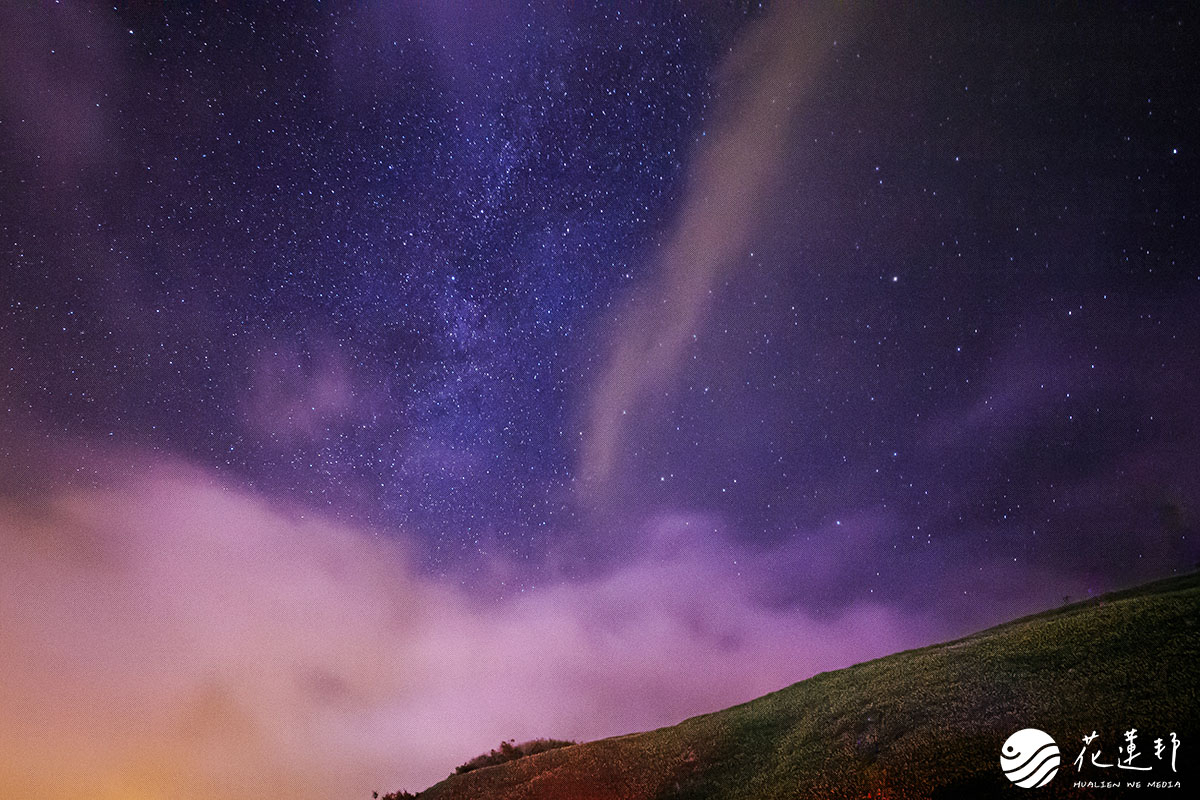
x=922 y=723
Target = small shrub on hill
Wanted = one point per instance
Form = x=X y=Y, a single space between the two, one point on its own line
x=511 y=752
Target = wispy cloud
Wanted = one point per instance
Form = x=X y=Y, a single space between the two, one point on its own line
x=761 y=84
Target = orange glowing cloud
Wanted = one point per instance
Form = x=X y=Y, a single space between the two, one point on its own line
x=169 y=637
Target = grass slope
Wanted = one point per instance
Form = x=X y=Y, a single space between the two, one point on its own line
x=922 y=723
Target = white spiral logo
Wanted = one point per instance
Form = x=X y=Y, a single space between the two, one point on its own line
x=1029 y=758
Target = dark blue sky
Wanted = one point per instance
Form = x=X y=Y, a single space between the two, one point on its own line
x=374 y=260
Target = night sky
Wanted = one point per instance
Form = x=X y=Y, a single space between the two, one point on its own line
x=819 y=314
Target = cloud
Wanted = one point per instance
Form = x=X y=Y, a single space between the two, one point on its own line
x=62 y=71
x=167 y=636
x=297 y=396
x=761 y=82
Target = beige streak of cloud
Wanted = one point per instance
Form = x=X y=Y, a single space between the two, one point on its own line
x=760 y=86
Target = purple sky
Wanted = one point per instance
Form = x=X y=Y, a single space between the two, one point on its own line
x=384 y=381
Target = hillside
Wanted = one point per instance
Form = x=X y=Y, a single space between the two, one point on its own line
x=922 y=723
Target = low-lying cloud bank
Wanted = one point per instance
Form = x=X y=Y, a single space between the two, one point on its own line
x=170 y=637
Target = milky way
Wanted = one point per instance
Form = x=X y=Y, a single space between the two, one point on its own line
x=876 y=316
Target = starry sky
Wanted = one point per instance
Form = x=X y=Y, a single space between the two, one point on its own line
x=844 y=318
